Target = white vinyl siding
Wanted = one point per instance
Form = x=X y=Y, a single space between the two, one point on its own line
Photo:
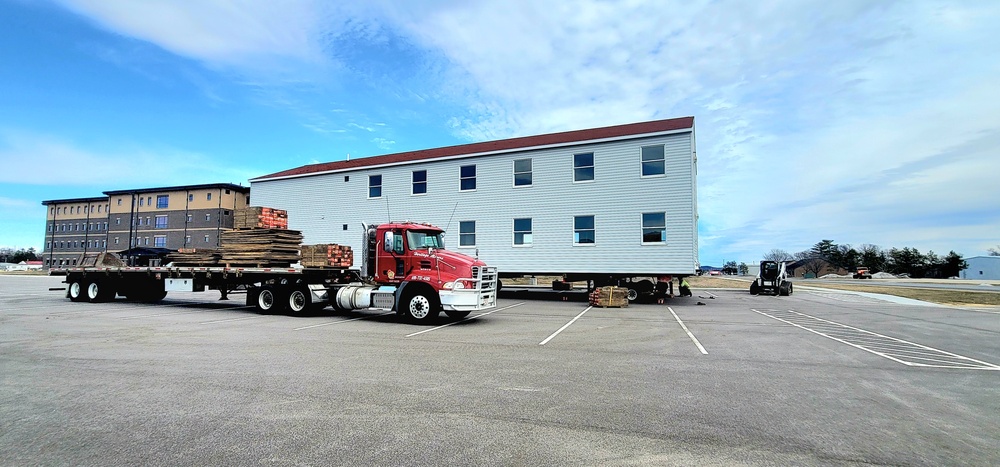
x=319 y=205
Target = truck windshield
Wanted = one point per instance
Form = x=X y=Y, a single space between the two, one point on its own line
x=421 y=240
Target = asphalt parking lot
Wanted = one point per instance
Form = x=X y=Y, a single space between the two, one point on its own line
x=818 y=378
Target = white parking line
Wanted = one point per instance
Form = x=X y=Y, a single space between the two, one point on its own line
x=695 y=339
x=230 y=319
x=466 y=319
x=554 y=334
x=892 y=348
x=344 y=321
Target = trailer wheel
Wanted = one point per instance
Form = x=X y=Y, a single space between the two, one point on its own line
x=457 y=314
x=631 y=295
x=299 y=300
x=418 y=305
x=76 y=291
x=99 y=292
x=267 y=300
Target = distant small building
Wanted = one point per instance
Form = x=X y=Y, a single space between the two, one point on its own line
x=982 y=267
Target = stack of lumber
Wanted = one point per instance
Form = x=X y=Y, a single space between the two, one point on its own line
x=609 y=296
x=260 y=247
x=194 y=257
x=259 y=217
x=326 y=255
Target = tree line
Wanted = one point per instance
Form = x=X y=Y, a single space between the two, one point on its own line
x=10 y=255
x=894 y=260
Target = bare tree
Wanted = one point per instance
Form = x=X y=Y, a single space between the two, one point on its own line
x=778 y=255
x=995 y=251
x=814 y=265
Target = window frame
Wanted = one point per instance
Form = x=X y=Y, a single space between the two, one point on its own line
x=157 y=224
x=162 y=201
x=414 y=182
x=593 y=171
x=463 y=178
x=643 y=228
x=157 y=243
x=643 y=161
x=372 y=186
x=462 y=234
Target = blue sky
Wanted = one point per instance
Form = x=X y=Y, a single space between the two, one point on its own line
x=857 y=121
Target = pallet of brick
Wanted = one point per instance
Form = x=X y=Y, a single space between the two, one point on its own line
x=260 y=247
x=194 y=257
x=326 y=255
x=609 y=296
x=260 y=217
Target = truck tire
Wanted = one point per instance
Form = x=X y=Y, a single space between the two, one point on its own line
x=77 y=291
x=266 y=300
x=418 y=305
x=632 y=295
x=457 y=314
x=98 y=291
x=299 y=300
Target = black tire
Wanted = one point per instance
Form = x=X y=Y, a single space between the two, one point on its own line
x=266 y=300
x=644 y=287
x=418 y=305
x=631 y=295
x=299 y=300
x=99 y=291
x=785 y=289
x=457 y=314
x=76 y=291
x=754 y=288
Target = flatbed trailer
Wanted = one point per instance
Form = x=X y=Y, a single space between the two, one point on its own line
x=292 y=288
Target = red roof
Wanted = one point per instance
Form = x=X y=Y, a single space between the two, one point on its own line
x=656 y=126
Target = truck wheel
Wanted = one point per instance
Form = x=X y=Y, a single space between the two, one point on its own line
x=299 y=300
x=98 y=292
x=267 y=300
x=76 y=291
x=419 y=306
x=457 y=314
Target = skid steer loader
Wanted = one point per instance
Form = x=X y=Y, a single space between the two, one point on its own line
x=771 y=280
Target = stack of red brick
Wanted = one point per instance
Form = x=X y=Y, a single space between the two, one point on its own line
x=326 y=255
x=259 y=217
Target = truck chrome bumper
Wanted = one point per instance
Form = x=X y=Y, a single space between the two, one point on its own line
x=480 y=298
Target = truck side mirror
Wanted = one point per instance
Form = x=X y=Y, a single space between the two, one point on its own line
x=387 y=241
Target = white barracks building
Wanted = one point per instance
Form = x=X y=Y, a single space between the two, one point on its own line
x=612 y=202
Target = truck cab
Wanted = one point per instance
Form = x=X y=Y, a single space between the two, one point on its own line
x=409 y=260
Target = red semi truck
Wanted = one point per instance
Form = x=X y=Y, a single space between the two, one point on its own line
x=404 y=268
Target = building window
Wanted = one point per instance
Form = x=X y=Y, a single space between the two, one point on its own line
x=652 y=161
x=149 y=200
x=118 y=221
x=583 y=167
x=116 y=240
x=206 y=238
x=654 y=227
x=209 y=197
x=187 y=240
x=467 y=177
x=227 y=191
x=190 y=197
x=419 y=182
x=467 y=233
x=584 y=232
x=141 y=200
x=345 y=227
x=522 y=172
x=161 y=222
x=119 y=201
x=374 y=186
x=522 y=232
x=162 y=201
x=347 y=178
x=160 y=241
x=190 y=217
x=208 y=217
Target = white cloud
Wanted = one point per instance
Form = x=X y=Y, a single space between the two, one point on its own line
x=34 y=159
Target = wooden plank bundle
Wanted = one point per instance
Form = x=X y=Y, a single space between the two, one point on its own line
x=609 y=296
x=260 y=247
x=260 y=217
x=326 y=255
x=195 y=257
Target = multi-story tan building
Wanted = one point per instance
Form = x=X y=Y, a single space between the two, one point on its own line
x=141 y=220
